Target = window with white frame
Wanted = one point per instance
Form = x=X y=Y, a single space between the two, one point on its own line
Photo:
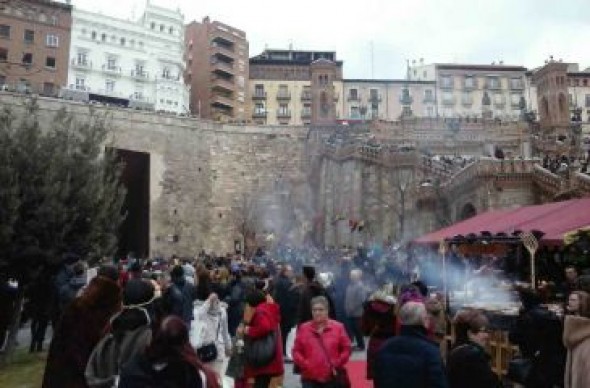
x=354 y=112
x=110 y=85
x=80 y=83
x=52 y=40
x=111 y=63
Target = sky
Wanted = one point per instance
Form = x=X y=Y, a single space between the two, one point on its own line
x=376 y=38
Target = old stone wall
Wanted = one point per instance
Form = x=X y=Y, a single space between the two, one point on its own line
x=202 y=173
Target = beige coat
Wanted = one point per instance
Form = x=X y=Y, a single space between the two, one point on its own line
x=576 y=338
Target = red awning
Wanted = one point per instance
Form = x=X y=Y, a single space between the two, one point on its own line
x=554 y=219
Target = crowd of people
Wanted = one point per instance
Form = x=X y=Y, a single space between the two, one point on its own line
x=560 y=164
x=175 y=323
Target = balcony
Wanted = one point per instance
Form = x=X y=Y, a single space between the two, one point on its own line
x=428 y=100
x=170 y=77
x=374 y=98
x=283 y=95
x=222 y=51
x=223 y=67
x=306 y=96
x=222 y=38
x=223 y=84
x=449 y=101
x=140 y=75
x=115 y=70
x=467 y=101
x=353 y=97
x=81 y=65
x=222 y=101
x=261 y=114
x=493 y=85
x=284 y=114
x=516 y=85
x=306 y=114
x=259 y=95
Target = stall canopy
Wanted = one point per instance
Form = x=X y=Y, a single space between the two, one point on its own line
x=554 y=219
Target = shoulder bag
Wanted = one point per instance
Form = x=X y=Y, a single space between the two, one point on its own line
x=340 y=377
x=208 y=352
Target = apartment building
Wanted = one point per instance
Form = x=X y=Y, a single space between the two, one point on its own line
x=387 y=99
x=217 y=70
x=471 y=90
x=34 y=46
x=295 y=87
x=137 y=64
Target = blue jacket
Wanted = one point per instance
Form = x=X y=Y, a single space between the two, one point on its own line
x=409 y=360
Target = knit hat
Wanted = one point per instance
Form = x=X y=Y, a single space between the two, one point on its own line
x=138 y=292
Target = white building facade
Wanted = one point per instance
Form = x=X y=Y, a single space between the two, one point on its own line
x=139 y=64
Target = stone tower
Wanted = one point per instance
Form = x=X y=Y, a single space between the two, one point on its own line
x=323 y=107
x=552 y=97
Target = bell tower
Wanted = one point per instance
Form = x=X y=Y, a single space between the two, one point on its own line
x=552 y=97
x=323 y=108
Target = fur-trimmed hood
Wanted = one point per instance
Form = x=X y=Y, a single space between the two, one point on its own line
x=576 y=330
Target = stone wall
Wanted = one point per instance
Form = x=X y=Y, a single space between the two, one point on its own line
x=201 y=173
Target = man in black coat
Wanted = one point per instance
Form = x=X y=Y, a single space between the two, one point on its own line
x=180 y=295
x=311 y=289
x=282 y=296
x=410 y=360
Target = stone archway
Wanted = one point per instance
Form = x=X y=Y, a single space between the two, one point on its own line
x=467 y=211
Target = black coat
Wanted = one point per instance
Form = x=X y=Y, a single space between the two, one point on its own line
x=310 y=291
x=140 y=373
x=282 y=297
x=409 y=360
x=538 y=333
x=469 y=366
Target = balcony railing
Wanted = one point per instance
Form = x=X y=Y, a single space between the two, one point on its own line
x=259 y=114
x=448 y=101
x=428 y=100
x=493 y=85
x=284 y=114
x=374 y=98
x=516 y=85
x=306 y=113
x=223 y=66
x=467 y=101
x=86 y=64
x=170 y=77
x=281 y=95
x=352 y=97
x=259 y=95
x=111 y=69
x=139 y=74
x=306 y=96
x=222 y=83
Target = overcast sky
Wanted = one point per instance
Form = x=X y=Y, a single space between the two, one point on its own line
x=375 y=37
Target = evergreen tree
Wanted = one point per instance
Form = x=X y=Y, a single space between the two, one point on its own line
x=59 y=192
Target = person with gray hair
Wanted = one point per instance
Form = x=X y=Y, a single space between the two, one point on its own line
x=410 y=359
x=322 y=347
x=356 y=294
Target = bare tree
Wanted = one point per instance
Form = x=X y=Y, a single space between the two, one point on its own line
x=246 y=215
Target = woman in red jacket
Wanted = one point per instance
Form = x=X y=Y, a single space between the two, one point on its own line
x=261 y=317
x=322 y=347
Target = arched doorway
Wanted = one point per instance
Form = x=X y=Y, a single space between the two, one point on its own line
x=467 y=211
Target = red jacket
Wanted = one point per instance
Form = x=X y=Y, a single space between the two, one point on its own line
x=266 y=318
x=309 y=355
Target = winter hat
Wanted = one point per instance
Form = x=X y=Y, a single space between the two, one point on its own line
x=138 y=292
x=177 y=272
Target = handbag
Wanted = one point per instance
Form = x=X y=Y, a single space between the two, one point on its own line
x=235 y=365
x=340 y=378
x=519 y=369
x=259 y=352
x=208 y=352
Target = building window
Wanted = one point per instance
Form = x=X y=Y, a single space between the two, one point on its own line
x=469 y=82
x=171 y=30
x=93 y=34
x=27 y=59
x=103 y=37
x=29 y=36
x=259 y=108
x=466 y=98
x=353 y=94
x=374 y=95
x=122 y=41
x=166 y=73
x=110 y=85
x=3 y=55
x=52 y=40
x=259 y=90
x=587 y=100
x=54 y=20
x=80 y=83
x=111 y=63
x=585 y=82
x=493 y=83
x=428 y=95
x=354 y=112
x=161 y=28
x=50 y=62
x=283 y=109
x=82 y=58
x=446 y=81
x=515 y=83
x=153 y=25
x=430 y=111
x=2 y=80
x=4 y=31
x=48 y=88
